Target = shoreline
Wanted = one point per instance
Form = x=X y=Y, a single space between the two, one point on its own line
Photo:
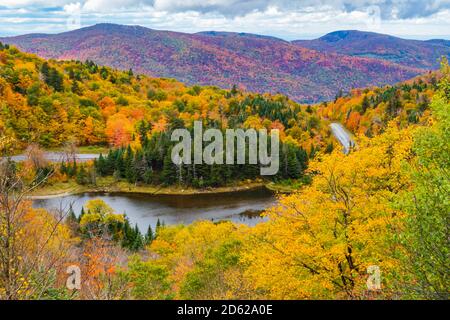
x=149 y=190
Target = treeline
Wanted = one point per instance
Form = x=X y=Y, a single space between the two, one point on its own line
x=152 y=164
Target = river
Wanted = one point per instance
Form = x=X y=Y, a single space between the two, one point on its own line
x=145 y=210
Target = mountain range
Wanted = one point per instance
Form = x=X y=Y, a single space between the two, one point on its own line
x=412 y=53
x=306 y=71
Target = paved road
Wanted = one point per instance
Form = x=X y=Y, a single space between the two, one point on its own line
x=343 y=136
x=58 y=157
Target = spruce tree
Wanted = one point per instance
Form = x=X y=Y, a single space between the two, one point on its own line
x=149 y=236
x=82 y=213
x=71 y=217
x=169 y=173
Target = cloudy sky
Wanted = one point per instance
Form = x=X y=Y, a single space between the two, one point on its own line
x=288 y=19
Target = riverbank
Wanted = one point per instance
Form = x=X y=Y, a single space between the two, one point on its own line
x=109 y=185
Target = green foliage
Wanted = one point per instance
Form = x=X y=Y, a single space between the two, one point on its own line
x=426 y=268
x=207 y=276
x=99 y=219
x=149 y=280
x=153 y=165
x=52 y=77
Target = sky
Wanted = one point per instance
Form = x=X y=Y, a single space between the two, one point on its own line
x=286 y=19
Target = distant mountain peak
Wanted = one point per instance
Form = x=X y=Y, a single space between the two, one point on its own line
x=411 y=53
x=238 y=34
x=115 y=26
x=336 y=36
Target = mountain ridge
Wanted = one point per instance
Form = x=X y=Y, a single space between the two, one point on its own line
x=253 y=62
x=413 y=53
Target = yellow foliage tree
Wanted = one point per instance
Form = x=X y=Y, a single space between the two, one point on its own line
x=320 y=241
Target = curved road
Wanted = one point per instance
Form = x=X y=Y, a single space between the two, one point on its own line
x=58 y=157
x=340 y=133
x=343 y=136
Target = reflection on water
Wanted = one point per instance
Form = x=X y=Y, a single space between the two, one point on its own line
x=242 y=207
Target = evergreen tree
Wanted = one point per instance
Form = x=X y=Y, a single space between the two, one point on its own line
x=76 y=88
x=130 y=173
x=82 y=213
x=82 y=176
x=71 y=217
x=45 y=70
x=169 y=173
x=365 y=105
x=138 y=242
x=149 y=237
x=234 y=90
x=293 y=166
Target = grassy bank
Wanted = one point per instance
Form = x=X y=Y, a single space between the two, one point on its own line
x=288 y=186
x=109 y=184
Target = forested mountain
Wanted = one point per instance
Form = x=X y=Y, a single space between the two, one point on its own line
x=412 y=53
x=50 y=103
x=255 y=63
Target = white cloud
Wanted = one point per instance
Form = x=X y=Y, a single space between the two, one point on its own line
x=72 y=8
x=284 y=18
x=33 y=3
x=110 y=5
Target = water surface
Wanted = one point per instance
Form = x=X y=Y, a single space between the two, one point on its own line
x=145 y=210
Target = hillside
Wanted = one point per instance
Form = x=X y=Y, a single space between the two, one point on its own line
x=411 y=53
x=252 y=62
x=55 y=103
x=50 y=102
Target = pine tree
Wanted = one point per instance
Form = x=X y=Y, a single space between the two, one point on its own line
x=138 y=242
x=76 y=88
x=158 y=227
x=45 y=70
x=128 y=235
x=52 y=77
x=293 y=165
x=82 y=213
x=234 y=90
x=101 y=166
x=71 y=217
x=63 y=168
x=130 y=173
x=169 y=173
x=149 y=237
x=365 y=105
x=71 y=74
x=82 y=176
x=104 y=73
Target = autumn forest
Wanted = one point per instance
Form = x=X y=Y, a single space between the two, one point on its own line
x=384 y=204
